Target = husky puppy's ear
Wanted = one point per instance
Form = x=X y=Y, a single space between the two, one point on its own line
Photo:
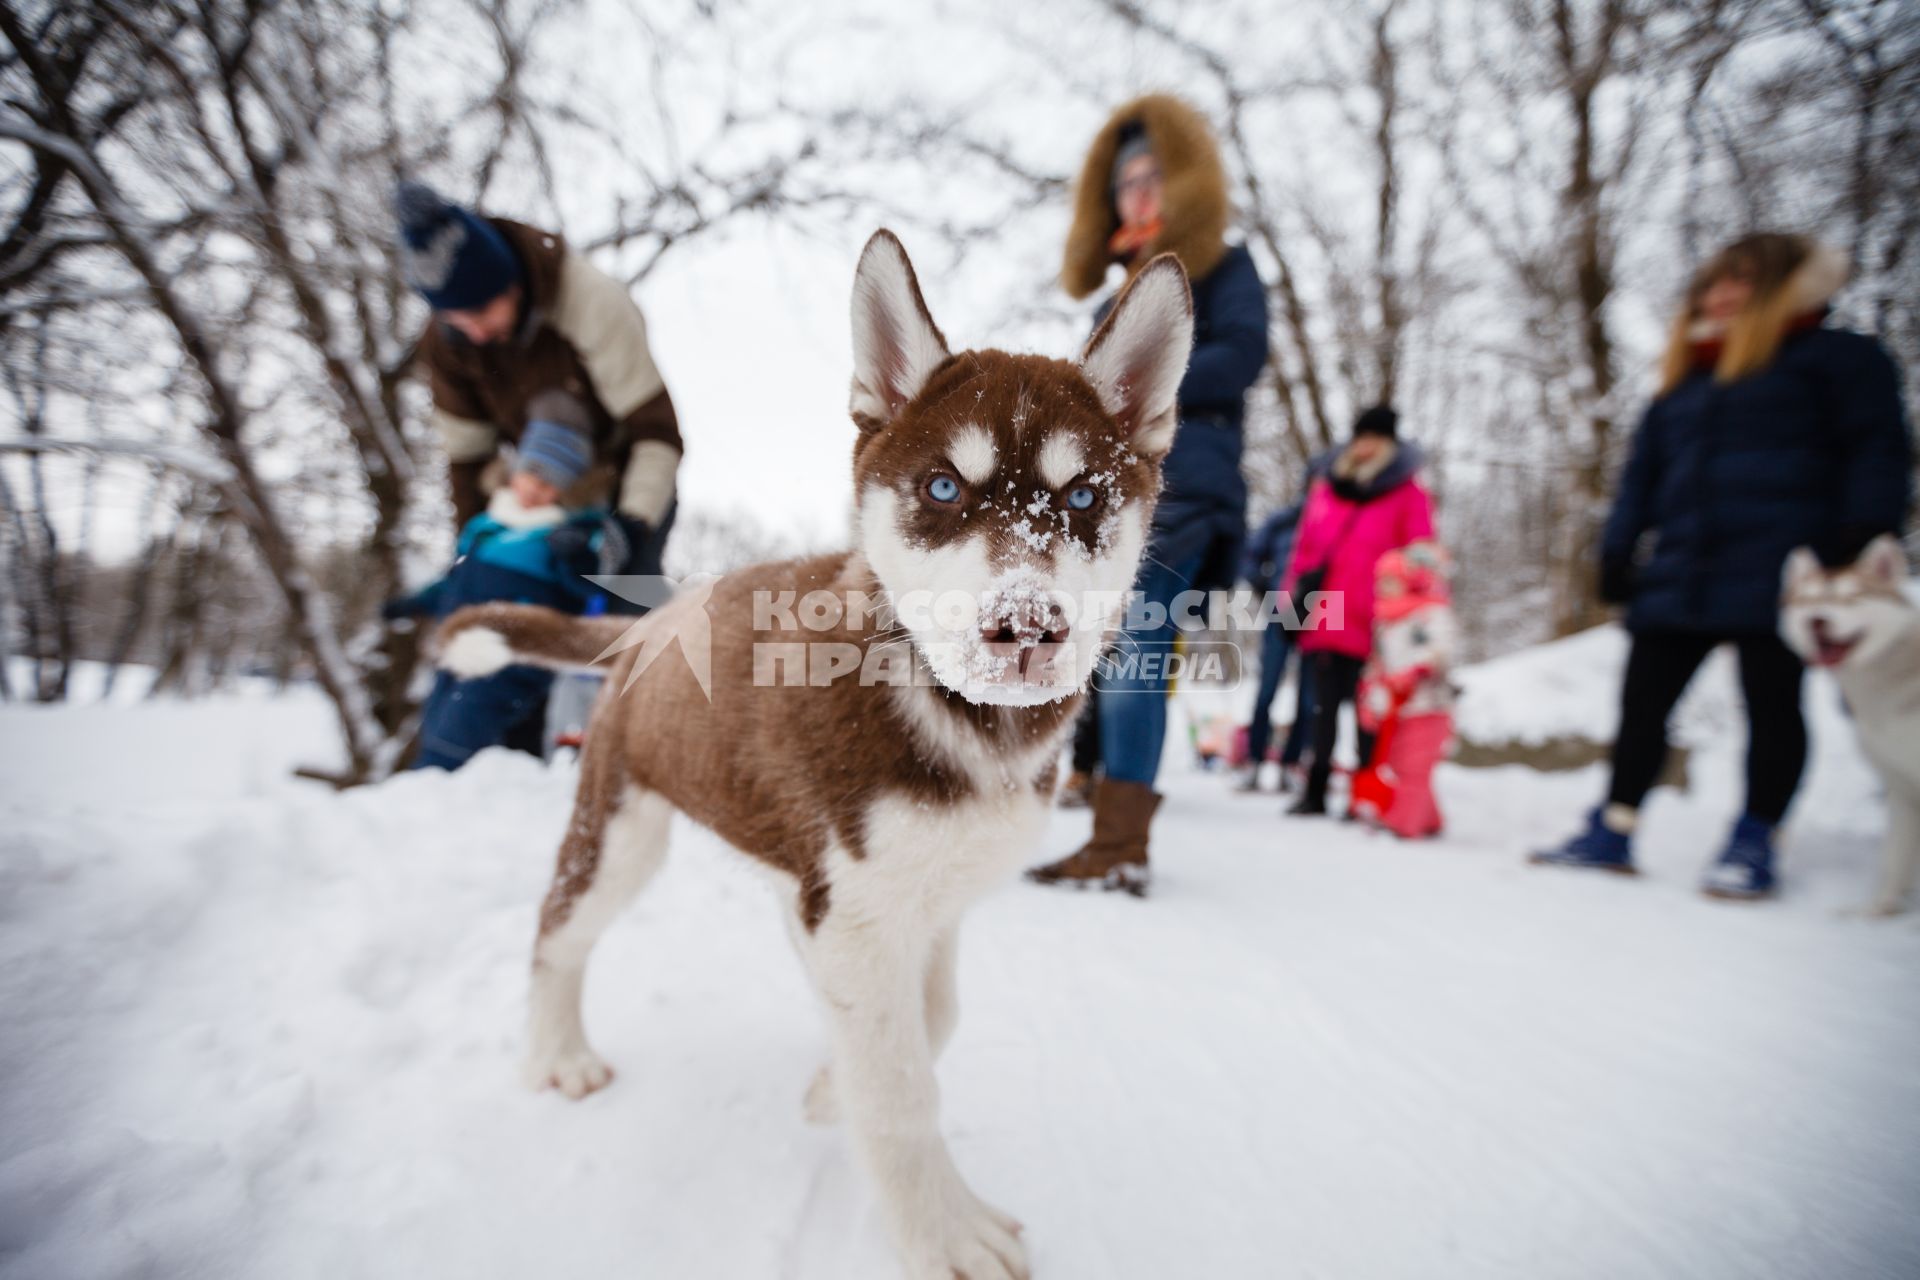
x=1802 y=567
x=1883 y=562
x=896 y=344
x=1135 y=360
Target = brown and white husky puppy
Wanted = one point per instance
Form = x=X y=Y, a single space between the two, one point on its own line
x=878 y=727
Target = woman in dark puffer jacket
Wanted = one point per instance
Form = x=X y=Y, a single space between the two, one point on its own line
x=1153 y=183
x=1771 y=431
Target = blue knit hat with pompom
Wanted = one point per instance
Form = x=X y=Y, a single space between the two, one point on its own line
x=454 y=258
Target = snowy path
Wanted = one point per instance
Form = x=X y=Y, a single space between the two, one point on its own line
x=255 y=1029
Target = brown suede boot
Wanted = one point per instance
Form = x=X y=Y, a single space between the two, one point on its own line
x=1116 y=856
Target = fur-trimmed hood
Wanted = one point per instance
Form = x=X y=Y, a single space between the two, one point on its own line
x=1808 y=291
x=1823 y=274
x=1195 y=208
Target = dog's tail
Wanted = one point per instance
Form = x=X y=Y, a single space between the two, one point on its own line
x=481 y=639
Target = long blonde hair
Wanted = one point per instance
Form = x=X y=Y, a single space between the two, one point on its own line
x=1768 y=261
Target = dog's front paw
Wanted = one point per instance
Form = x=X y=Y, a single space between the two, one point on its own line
x=576 y=1072
x=973 y=1241
x=822 y=1105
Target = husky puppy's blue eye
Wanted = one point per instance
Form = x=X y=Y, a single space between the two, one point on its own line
x=943 y=489
x=1080 y=497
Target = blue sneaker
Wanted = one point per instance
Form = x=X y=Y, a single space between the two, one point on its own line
x=1598 y=848
x=1745 y=869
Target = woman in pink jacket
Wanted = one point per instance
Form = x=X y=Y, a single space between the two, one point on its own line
x=1362 y=502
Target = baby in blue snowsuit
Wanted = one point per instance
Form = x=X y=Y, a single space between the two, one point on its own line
x=525 y=548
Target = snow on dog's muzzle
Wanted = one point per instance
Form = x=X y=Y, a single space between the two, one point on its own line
x=1022 y=629
x=1014 y=646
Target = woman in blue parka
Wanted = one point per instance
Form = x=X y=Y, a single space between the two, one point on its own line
x=1772 y=430
x=1152 y=183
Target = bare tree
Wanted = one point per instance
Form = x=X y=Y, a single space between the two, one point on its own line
x=188 y=143
x=1469 y=210
x=214 y=174
x=1574 y=77
x=46 y=586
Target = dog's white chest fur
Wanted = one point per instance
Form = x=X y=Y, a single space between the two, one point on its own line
x=1894 y=746
x=925 y=862
x=925 y=859
x=1885 y=700
x=1884 y=696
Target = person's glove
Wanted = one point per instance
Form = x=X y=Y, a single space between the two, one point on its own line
x=1616 y=579
x=636 y=551
x=572 y=549
x=401 y=607
x=627 y=550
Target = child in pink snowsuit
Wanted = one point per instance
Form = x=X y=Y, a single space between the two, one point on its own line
x=1413 y=639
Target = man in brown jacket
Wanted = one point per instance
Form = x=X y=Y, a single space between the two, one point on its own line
x=515 y=313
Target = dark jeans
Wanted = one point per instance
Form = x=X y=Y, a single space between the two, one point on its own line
x=464 y=716
x=1133 y=701
x=1276 y=645
x=1335 y=678
x=1300 y=732
x=1658 y=671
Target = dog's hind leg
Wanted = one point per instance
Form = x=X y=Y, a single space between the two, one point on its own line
x=615 y=842
x=1902 y=856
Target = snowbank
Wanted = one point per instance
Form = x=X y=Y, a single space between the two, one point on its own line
x=259 y=1029
x=1570 y=688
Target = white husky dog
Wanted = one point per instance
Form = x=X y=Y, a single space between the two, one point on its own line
x=1857 y=622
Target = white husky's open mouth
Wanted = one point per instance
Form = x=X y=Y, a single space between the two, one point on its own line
x=1830 y=650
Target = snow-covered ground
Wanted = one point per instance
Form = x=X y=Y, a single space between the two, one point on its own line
x=256 y=1029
